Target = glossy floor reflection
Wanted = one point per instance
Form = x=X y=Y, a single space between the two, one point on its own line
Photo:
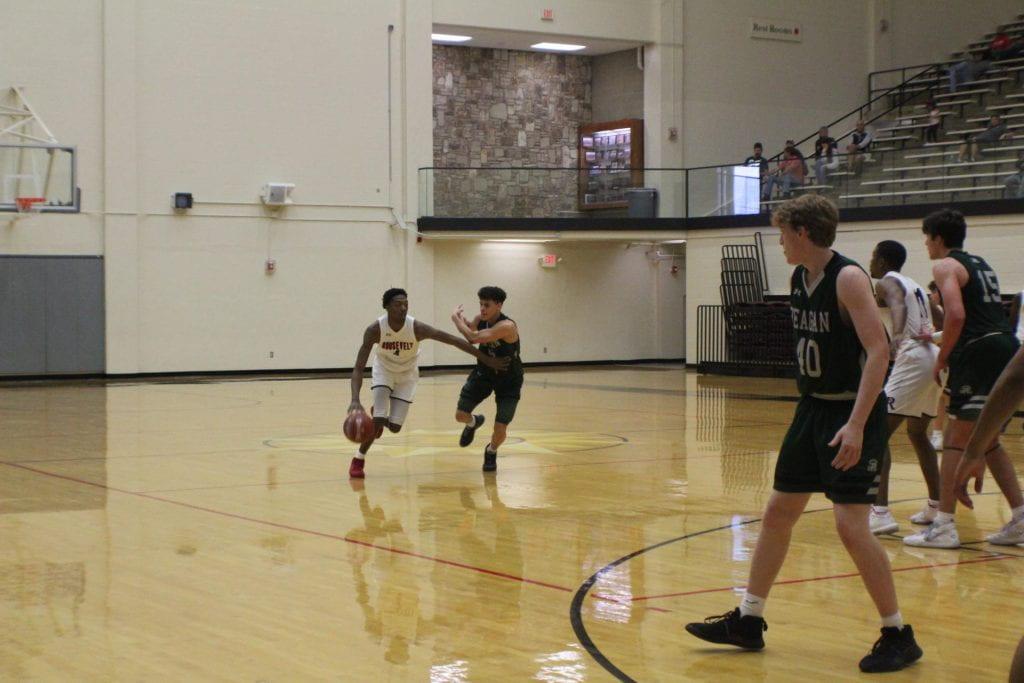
x=200 y=531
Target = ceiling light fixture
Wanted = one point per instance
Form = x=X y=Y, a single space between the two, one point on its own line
x=558 y=47
x=449 y=38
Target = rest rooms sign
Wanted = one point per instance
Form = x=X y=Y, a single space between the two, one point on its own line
x=773 y=29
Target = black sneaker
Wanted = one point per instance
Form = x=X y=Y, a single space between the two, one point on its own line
x=731 y=629
x=490 y=460
x=469 y=431
x=895 y=650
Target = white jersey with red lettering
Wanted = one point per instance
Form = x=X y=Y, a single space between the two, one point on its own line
x=395 y=373
x=397 y=351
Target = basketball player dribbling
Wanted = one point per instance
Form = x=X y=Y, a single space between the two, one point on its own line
x=836 y=443
x=395 y=372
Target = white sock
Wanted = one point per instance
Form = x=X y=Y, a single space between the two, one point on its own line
x=943 y=517
x=752 y=606
x=893 y=621
x=1017 y=512
x=933 y=503
x=360 y=456
x=880 y=509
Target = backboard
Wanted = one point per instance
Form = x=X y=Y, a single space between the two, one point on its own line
x=39 y=170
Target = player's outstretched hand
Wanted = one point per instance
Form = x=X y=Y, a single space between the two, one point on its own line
x=496 y=363
x=457 y=314
x=940 y=365
x=971 y=466
x=849 y=439
x=355 y=406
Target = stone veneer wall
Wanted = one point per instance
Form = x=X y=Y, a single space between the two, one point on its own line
x=502 y=108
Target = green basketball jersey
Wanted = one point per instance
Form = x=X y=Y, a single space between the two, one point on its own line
x=829 y=354
x=501 y=349
x=982 y=304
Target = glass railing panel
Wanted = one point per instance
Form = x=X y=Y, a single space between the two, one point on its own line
x=551 y=192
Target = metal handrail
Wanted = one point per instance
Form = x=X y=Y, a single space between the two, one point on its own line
x=903 y=70
x=995 y=65
x=861 y=108
x=577 y=169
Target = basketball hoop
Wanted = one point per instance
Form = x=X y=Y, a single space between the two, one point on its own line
x=29 y=204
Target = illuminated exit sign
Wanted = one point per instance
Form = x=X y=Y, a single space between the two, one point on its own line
x=548 y=261
x=547 y=15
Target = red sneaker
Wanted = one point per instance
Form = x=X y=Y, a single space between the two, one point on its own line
x=355 y=470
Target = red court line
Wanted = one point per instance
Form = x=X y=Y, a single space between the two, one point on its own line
x=811 y=579
x=310 y=532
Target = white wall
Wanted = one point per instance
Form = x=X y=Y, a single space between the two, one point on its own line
x=740 y=89
x=618 y=87
x=996 y=238
x=634 y=20
x=291 y=92
x=604 y=301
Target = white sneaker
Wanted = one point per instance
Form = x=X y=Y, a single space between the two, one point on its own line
x=883 y=522
x=925 y=516
x=935 y=536
x=1011 y=534
x=936 y=443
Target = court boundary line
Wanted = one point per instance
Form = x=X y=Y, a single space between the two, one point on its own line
x=576 y=606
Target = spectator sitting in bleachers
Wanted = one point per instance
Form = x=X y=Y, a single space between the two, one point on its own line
x=757 y=160
x=1015 y=183
x=789 y=173
x=968 y=70
x=800 y=156
x=993 y=132
x=824 y=155
x=860 y=144
x=1004 y=48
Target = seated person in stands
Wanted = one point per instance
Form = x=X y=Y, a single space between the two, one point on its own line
x=825 y=158
x=757 y=160
x=800 y=156
x=1002 y=47
x=969 y=69
x=1015 y=183
x=994 y=131
x=789 y=173
x=860 y=144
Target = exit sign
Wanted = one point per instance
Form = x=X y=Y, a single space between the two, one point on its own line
x=547 y=15
x=548 y=261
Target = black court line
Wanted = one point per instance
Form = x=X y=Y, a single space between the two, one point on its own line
x=576 y=607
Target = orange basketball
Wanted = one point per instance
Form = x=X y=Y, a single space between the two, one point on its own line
x=358 y=427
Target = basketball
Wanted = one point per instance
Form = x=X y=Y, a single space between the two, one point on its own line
x=358 y=427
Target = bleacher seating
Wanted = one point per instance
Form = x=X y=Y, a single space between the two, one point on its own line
x=902 y=168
